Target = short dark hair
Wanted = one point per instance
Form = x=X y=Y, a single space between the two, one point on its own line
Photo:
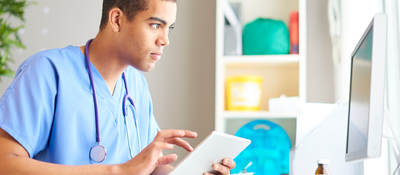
x=129 y=7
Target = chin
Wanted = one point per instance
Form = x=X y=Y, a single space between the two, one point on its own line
x=147 y=68
x=144 y=67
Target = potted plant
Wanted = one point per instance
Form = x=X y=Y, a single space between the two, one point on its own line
x=11 y=21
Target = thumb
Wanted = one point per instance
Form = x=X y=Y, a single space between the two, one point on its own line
x=165 y=160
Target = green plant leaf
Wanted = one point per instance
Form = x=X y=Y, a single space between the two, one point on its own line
x=9 y=37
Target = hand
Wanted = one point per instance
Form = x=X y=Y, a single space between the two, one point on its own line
x=222 y=168
x=151 y=157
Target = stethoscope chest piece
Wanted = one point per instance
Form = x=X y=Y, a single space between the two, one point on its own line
x=98 y=153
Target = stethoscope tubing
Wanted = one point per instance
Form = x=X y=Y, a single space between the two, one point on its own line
x=100 y=148
x=96 y=114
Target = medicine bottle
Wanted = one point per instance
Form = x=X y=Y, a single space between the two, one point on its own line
x=322 y=168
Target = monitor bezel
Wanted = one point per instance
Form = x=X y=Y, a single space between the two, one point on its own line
x=377 y=85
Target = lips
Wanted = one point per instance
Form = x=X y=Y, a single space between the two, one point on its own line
x=156 y=56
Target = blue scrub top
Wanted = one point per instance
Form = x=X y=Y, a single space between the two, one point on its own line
x=49 y=110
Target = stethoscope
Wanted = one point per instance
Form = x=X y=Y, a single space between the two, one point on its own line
x=98 y=152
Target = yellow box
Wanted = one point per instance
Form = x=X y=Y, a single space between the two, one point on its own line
x=243 y=93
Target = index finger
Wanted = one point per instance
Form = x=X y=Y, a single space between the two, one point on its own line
x=165 y=134
x=229 y=163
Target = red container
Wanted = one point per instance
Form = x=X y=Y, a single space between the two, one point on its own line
x=294 y=32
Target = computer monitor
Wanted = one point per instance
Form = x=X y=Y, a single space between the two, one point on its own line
x=366 y=98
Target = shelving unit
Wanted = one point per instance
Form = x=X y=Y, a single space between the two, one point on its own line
x=308 y=75
x=281 y=73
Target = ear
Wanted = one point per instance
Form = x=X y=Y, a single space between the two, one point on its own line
x=115 y=19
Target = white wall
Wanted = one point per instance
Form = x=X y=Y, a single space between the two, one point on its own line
x=318 y=52
x=182 y=84
x=357 y=14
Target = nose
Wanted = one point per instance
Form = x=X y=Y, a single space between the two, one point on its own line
x=163 y=40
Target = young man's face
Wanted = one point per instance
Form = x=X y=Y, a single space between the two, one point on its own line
x=143 y=39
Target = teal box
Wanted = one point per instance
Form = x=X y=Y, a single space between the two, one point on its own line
x=265 y=36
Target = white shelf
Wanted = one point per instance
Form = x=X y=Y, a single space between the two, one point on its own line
x=257 y=115
x=281 y=73
x=261 y=59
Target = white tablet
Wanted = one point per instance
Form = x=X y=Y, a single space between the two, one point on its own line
x=212 y=149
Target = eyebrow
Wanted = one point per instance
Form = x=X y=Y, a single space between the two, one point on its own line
x=160 y=20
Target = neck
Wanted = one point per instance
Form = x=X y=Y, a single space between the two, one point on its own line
x=106 y=61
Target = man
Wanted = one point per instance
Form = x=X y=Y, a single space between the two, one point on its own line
x=88 y=110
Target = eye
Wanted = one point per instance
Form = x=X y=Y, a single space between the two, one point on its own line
x=155 y=26
x=171 y=28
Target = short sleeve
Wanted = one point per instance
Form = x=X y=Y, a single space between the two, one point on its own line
x=27 y=106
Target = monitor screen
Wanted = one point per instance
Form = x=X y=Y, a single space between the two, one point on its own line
x=360 y=96
x=366 y=97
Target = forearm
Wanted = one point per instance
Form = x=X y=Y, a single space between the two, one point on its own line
x=18 y=165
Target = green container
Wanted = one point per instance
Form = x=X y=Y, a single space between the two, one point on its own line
x=265 y=36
